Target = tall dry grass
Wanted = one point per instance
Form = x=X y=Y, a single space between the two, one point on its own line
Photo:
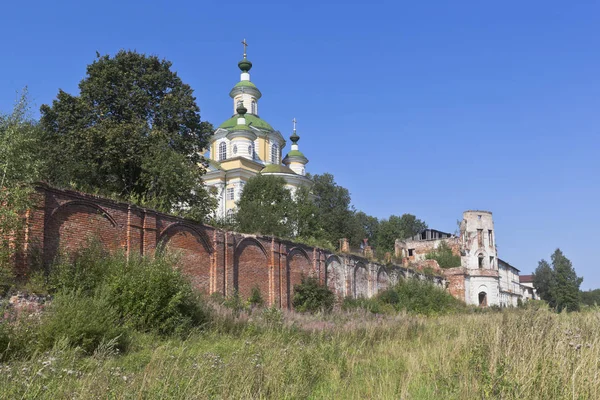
x=516 y=354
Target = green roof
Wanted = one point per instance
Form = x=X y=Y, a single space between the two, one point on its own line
x=240 y=128
x=276 y=168
x=296 y=153
x=250 y=119
x=245 y=84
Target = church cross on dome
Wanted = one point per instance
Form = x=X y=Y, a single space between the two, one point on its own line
x=294 y=121
x=245 y=45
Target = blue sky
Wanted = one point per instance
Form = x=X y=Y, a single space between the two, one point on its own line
x=429 y=108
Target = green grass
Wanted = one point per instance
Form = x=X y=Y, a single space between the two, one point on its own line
x=515 y=354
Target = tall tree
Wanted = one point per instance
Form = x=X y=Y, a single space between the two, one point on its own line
x=367 y=227
x=266 y=207
x=566 y=288
x=543 y=282
x=398 y=228
x=134 y=131
x=559 y=285
x=333 y=205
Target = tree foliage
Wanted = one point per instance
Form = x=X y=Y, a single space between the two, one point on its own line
x=266 y=207
x=134 y=131
x=444 y=256
x=559 y=285
x=333 y=208
x=396 y=227
x=20 y=165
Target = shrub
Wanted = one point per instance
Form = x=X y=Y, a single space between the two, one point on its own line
x=255 y=298
x=389 y=296
x=147 y=294
x=423 y=297
x=82 y=321
x=311 y=296
x=444 y=256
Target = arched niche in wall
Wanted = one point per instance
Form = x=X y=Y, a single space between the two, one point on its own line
x=383 y=279
x=361 y=280
x=71 y=226
x=192 y=249
x=250 y=268
x=335 y=276
x=298 y=265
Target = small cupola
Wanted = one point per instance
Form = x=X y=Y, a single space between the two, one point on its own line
x=295 y=160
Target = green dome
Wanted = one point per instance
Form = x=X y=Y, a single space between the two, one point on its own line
x=295 y=153
x=250 y=119
x=245 y=84
x=245 y=65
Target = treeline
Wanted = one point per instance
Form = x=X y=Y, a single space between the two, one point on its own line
x=317 y=215
x=134 y=133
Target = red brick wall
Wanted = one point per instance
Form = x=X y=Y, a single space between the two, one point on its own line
x=215 y=260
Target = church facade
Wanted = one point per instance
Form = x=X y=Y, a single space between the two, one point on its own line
x=246 y=145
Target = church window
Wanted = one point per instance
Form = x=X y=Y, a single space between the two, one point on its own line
x=222 y=151
x=234 y=149
x=230 y=194
x=253 y=105
x=274 y=153
x=251 y=150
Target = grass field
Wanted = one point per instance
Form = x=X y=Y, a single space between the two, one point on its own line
x=515 y=354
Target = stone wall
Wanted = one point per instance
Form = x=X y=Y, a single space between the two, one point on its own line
x=216 y=261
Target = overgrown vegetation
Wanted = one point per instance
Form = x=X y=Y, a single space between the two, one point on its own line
x=409 y=295
x=311 y=296
x=444 y=256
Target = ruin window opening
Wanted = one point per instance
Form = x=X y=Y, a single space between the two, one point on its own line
x=490 y=238
x=480 y=260
x=411 y=252
x=480 y=237
x=491 y=261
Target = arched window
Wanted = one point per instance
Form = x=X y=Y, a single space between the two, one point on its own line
x=274 y=153
x=222 y=151
x=253 y=107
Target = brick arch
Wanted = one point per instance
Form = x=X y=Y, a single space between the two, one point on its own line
x=334 y=275
x=298 y=265
x=360 y=281
x=383 y=279
x=250 y=268
x=193 y=251
x=72 y=224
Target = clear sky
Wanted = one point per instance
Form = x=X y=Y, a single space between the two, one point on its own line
x=421 y=107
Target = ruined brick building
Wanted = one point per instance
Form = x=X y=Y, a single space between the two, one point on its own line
x=482 y=279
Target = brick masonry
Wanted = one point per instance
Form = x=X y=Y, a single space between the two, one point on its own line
x=216 y=261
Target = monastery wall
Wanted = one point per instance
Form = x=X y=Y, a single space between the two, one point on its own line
x=215 y=260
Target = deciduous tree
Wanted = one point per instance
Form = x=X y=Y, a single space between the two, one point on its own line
x=134 y=130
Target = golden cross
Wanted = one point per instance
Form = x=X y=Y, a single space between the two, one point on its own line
x=245 y=45
x=294 y=121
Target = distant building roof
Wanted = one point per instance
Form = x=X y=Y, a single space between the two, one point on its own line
x=526 y=278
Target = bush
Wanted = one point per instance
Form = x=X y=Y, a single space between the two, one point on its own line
x=147 y=294
x=423 y=297
x=444 y=256
x=311 y=296
x=82 y=321
x=255 y=298
x=389 y=296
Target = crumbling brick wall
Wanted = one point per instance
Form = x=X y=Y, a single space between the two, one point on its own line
x=215 y=260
